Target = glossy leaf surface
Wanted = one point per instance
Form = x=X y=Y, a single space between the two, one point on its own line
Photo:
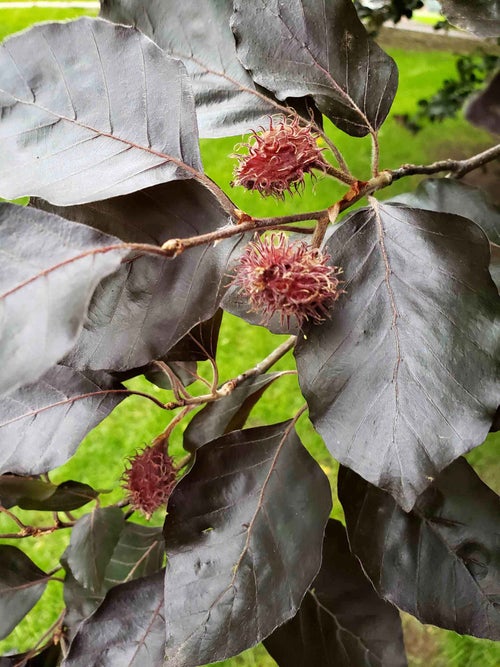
x=22 y=583
x=448 y=195
x=128 y=629
x=42 y=424
x=226 y=414
x=440 y=562
x=482 y=17
x=341 y=622
x=75 y=129
x=35 y=494
x=243 y=536
x=227 y=100
x=317 y=48
x=403 y=378
x=49 y=269
x=93 y=541
x=139 y=552
x=140 y=313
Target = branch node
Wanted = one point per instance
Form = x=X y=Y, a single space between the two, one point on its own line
x=173 y=247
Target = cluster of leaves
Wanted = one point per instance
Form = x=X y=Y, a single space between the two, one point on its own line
x=448 y=100
x=119 y=267
x=377 y=13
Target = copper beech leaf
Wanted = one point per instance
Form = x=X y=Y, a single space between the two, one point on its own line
x=49 y=657
x=91 y=110
x=482 y=17
x=31 y=493
x=441 y=561
x=482 y=109
x=243 y=537
x=22 y=583
x=318 y=48
x=447 y=195
x=341 y=622
x=49 y=269
x=227 y=100
x=42 y=424
x=139 y=552
x=93 y=540
x=403 y=378
x=228 y=413
x=128 y=629
x=143 y=311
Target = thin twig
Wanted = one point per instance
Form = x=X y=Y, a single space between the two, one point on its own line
x=14 y=518
x=229 y=386
x=456 y=167
x=330 y=170
x=358 y=190
x=375 y=153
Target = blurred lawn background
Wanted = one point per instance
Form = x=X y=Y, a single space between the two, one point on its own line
x=100 y=459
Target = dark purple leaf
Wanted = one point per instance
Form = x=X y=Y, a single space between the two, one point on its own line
x=482 y=17
x=226 y=414
x=152 y=302
x=139 y=552
x=243 y=537
x=440 y=562
x=184 y=372
x=49 y=657
x=128 y=629
x=236 y=303
x=403 y=378
x=227 y=100
x=14 y=488
x=35 y=494
x=49 y=268
x=482 y=110
x=200 y=343
x=42 y=424
x=93 y=541
x=318 y=48
x=22 y=584
x=447 y=195
x=341 y=622
x=91 y=110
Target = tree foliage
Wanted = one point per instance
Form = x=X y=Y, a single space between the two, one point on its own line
x=122 y=264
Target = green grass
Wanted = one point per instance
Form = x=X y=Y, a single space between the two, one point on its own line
x=99 y=460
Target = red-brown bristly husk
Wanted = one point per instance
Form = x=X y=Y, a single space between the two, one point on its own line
x=277 y=159
x=150 y=479
x=287 y=277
